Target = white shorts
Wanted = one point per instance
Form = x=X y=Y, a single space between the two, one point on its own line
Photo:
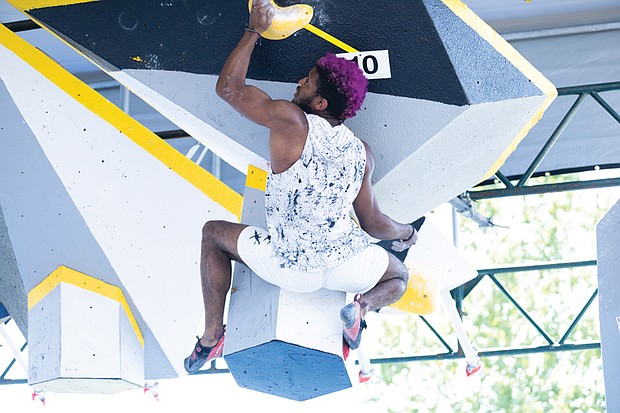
x=357 y=275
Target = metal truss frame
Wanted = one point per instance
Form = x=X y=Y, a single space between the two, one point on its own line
x=521 y=187
x=10 y=364
x=561 y=343
x=553 y=345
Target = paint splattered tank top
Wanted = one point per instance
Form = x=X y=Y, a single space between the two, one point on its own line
x=308 y=205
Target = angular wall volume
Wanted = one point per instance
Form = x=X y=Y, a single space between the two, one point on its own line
x=12 y=292
x=118 y=194
x=608 y=264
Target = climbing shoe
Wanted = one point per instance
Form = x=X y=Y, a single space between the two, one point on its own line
x=353 y=324
x=201 y=355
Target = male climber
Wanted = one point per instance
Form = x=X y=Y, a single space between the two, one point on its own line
x=318 y=171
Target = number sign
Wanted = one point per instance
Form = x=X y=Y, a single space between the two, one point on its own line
x=375 y=64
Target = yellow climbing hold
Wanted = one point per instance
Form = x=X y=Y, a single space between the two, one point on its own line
x=422 y=292
x=287 y=20
x=136 y=58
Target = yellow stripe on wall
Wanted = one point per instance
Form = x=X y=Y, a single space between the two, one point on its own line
x=24 y=5
x=328 y=37
x=256 y=178
x=125 y=124
x=78 y=279
x=522 y=133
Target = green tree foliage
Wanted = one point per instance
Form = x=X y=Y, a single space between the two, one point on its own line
x=541 y=229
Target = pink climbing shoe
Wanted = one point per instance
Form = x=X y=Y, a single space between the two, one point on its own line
x=353 y=324
x=202 y=354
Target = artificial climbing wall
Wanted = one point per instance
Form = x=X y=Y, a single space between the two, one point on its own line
x=87 y=187
x=454 y=103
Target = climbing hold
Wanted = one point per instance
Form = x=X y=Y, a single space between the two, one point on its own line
x=287 y=20
x=421 y=295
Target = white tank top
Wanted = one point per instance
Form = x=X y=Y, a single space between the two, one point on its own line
x=308 y=205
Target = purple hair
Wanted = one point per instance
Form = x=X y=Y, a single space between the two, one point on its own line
x=342 y=83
